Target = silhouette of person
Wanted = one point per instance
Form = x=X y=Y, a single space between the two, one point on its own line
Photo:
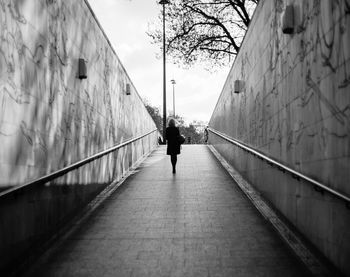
x=173 y=149
x=206 y=135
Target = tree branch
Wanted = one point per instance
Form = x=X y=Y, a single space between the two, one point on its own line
x=235 y=46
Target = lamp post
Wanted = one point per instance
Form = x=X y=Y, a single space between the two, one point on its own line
x=164 y=2
x=173 y=82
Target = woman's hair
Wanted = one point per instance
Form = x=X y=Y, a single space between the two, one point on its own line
x=171 y=122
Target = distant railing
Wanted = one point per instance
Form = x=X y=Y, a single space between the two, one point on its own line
x=317 y=185
x=65 y=170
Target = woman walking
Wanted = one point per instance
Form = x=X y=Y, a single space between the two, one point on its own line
x=171 y=135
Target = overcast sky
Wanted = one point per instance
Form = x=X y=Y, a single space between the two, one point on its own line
x=125 y=22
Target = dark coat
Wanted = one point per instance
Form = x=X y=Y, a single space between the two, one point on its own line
x=171 y=134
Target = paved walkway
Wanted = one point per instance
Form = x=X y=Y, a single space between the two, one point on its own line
x=194 y=223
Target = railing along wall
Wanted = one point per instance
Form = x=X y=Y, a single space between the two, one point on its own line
x=295 y=174
x=69 y=168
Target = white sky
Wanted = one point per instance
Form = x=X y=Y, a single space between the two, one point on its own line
x=125 y=22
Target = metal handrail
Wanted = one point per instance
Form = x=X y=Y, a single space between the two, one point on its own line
x=65 y=170
x=295 y=174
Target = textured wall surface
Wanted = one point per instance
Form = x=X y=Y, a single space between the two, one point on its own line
x=49 y=118
x=295 y=107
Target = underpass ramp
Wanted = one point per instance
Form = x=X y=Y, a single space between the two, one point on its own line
x=196 y=222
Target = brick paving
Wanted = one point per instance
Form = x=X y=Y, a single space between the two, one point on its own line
x=194 y=223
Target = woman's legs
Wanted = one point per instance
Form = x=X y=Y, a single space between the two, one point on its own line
x=173 y=159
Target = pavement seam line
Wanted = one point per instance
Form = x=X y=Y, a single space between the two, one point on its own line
x=292 y=239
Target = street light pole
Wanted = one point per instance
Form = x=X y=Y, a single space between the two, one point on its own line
x=173 y=82
x=164 y=2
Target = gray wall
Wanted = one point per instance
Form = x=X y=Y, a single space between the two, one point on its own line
x=49 y=118
x=295 y=107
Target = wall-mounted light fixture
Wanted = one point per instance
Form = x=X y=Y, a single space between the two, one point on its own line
x=288 y=20
x=127 y=89
x=238 y=86
x=82 y=71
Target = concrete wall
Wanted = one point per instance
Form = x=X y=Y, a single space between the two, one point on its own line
x=295 y=107
x=49 y=118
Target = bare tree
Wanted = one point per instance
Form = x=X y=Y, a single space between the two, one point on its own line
x=204 y=30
